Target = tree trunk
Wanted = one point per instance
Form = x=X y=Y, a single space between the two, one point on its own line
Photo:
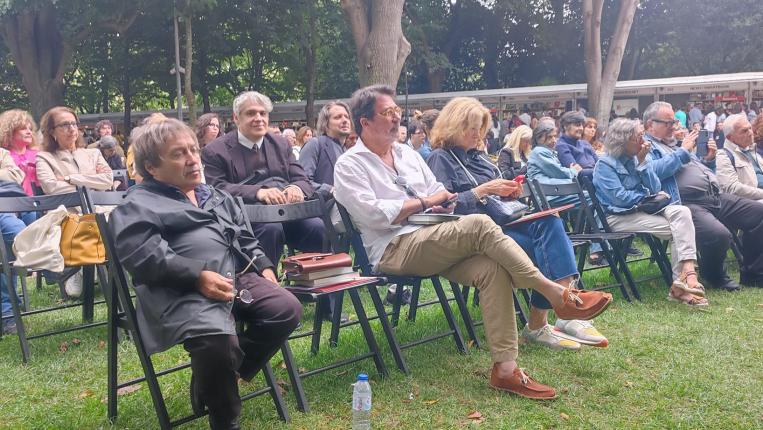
x=190 y=99
x=615 y=58
x=40 y=54
x=310 y=44
x=204 y=76
x=592 y=50
x=126 y=90
x=380 y=43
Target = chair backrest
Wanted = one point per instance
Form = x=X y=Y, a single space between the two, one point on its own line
x=583 y=219
x=354 y=239
x=43 y=203
x=119 y=285
x=596 y=206
x=104 y=198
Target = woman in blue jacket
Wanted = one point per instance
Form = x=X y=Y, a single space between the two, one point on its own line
x=623 y=178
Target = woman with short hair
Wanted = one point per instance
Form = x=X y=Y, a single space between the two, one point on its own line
x=18 y=134
x=459 y=164
x=623 y=179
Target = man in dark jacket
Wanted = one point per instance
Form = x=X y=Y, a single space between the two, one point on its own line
x=319 y=154
x=260 y=167
x=189 y=252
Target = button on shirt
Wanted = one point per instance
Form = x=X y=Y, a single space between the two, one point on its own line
x=366 y=187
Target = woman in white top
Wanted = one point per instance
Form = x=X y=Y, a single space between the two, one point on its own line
x=62 y=164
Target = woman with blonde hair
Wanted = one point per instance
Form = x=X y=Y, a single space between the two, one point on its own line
x=18 y=134
x=462 y=168
x=512 y=158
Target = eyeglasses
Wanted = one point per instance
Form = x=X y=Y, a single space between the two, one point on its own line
x=392 y=110
x=69 y=124
x=669 y=123
x=402 y=183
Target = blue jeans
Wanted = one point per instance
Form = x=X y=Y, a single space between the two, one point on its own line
x=10 y=226
x=547 y=244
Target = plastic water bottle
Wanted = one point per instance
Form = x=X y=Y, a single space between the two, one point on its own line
x=361 y=403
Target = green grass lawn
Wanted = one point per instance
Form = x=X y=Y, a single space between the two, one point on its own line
x=667 y=367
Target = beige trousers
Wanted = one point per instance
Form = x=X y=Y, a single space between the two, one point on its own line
x=472 y=251
x=674 y=224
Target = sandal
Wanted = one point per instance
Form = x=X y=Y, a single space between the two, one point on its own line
x=681 y=284
x=693 y=301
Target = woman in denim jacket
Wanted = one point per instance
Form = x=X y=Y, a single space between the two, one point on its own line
x=623 y=178
x=462 y=168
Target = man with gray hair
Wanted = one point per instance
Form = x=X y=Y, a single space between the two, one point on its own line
x=738 y=165
x=692 y=182
x=252 y=163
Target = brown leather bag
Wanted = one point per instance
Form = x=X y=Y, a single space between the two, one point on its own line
x=314 y=261
x=81 y=242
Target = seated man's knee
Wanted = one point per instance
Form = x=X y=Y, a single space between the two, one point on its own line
x=478 y=223
x=287 y=313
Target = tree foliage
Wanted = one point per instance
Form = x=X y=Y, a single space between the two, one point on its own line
x=302 y=49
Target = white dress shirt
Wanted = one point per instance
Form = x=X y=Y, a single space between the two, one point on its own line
x=249 y=144
x=366 y=187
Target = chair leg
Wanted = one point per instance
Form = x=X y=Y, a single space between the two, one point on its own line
x=275 y=393
x=317 y=326
x=449 y=314
x=413 y=307
x=613 y=256
x=336 y=319
x=367 y=332
x=518 y=309
x=88 y=293
x=112 y=360
x=24 y=292
x=389 y=333
x=294 y=378
x=465 y=316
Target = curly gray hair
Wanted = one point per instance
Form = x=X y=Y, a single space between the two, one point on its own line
x=620 y=131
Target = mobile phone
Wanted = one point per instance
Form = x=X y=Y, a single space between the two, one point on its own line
x=702 y=139
x=447 y=203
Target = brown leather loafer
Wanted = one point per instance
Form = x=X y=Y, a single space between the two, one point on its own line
x=522 y=385
x=582 y=305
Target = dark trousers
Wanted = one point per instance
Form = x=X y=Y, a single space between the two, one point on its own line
x=305 y=235
x=713 y=216
x=218 y=360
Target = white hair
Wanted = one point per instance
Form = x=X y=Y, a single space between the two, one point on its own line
x=619 y=132
x=651 y=111
x=731 y=121
x=251 y=96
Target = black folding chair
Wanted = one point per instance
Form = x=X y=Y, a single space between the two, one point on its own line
x=41 y=204
x=364 y=265
x=584 y=227
x=122 y=315
x=656 y=246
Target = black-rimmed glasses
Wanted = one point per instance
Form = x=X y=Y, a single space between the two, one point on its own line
x=669 y=123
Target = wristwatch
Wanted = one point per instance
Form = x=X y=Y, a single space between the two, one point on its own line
x=67 y=178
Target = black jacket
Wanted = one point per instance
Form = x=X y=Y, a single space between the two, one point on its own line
x=164 y=242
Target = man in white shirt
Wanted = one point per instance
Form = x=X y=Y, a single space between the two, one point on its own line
x=381 y=183
x=711 y=120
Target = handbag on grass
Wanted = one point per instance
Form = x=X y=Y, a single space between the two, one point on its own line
x=314 y=261
x=81 y=242
x=502 y=212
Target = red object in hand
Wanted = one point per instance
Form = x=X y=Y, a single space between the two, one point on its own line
x=520 y=179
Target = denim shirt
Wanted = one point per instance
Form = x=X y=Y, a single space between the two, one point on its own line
x=665 y=165
x=448 y=172
x=544 y=166
x=621 y=184
x=580 y=152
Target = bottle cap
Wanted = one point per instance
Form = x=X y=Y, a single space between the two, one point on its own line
x=362 y=377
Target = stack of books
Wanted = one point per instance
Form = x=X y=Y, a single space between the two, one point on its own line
x=316 y=270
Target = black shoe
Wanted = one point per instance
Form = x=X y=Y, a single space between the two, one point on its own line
x=599 y=260
x=197 y=403
x=725 y=283
x=9 y=326
x=634 y=252
x=391 y=292
x=749 y=280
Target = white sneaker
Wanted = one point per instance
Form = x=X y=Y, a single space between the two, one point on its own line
x=547 y=337
x=581 y=331
x=73 y=285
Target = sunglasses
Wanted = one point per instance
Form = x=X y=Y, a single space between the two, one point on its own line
x=402 y=183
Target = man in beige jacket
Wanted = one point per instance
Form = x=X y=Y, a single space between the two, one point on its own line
x=738 y=166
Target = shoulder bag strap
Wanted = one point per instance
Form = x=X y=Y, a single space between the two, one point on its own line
x=468 y=173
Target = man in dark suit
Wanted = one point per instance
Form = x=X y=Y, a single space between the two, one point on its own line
x=251 y=152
